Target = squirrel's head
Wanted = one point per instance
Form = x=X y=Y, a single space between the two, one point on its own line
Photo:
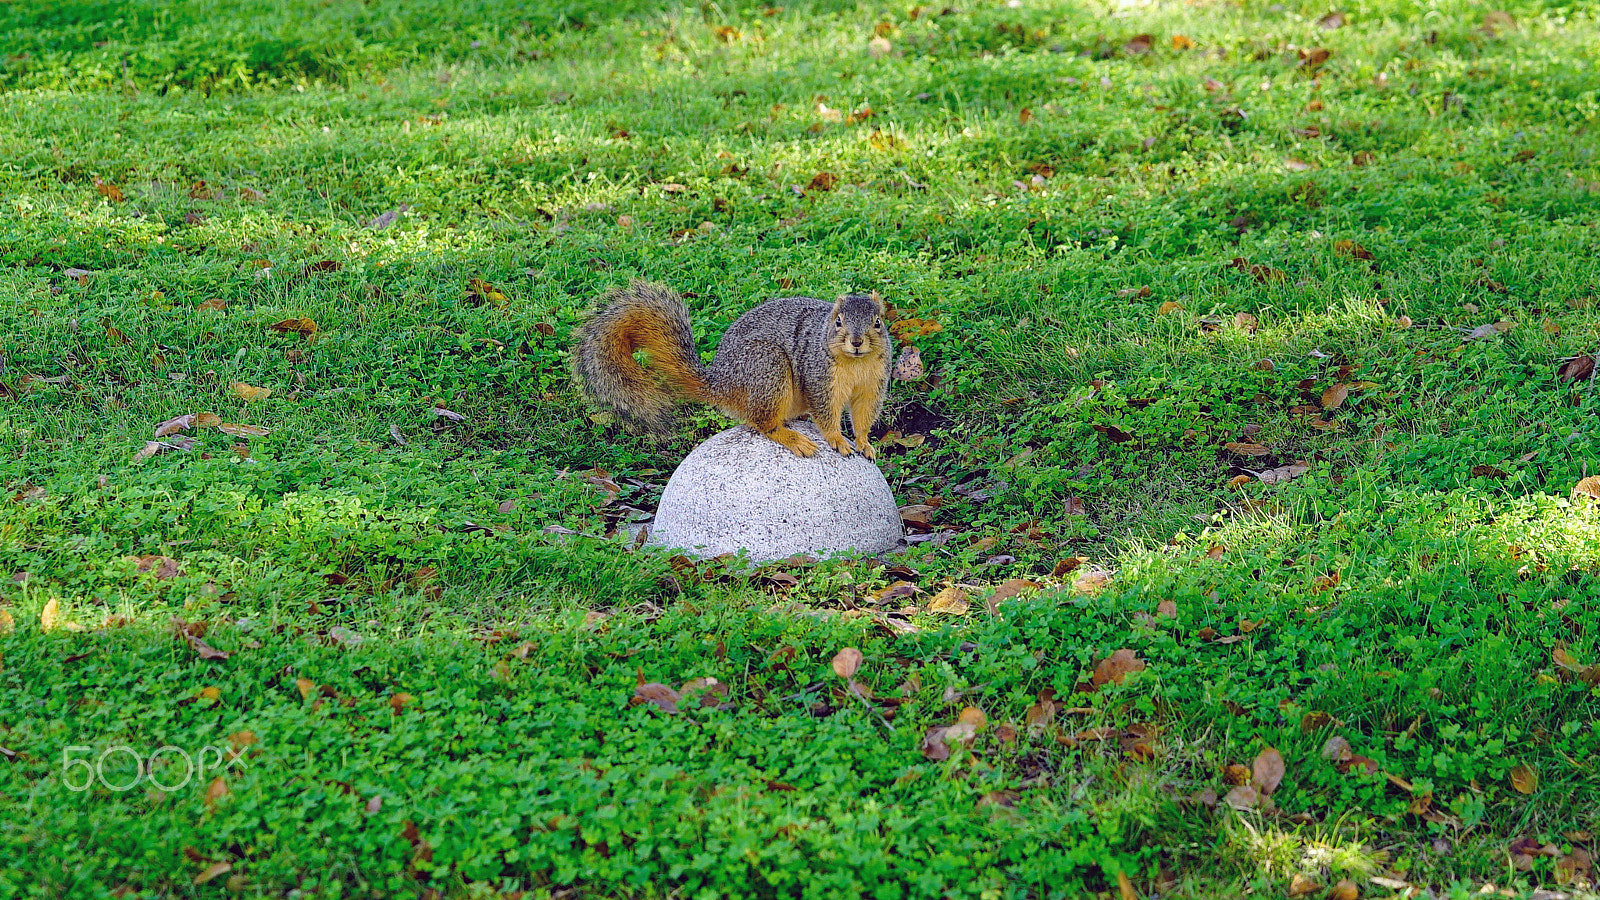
x=858 y=326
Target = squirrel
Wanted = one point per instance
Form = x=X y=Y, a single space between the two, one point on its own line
x=781 y=360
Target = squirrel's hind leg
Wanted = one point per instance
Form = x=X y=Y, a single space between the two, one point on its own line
x=771 y=415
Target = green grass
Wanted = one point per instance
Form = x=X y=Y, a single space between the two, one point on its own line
x=437 y=675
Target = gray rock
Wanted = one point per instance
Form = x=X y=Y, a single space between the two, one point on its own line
x=741 y=491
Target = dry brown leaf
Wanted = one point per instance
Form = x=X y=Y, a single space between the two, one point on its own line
x=973 y=717
x=1244 y=448
x=1168 y=307
x=656 y=694
x=1524 y=778
x=216 y=790
x=1091 y=582
x=1166 y=609
x=175 y=425
x=306 y=687
x=203 y=649
x=1588 y=487
x=951 y=601
x=1243 y=797
x=823 y=181
x=243 y=430
x=1067 y=564
x=303 y=326
x=1266 y=773
x=1245 y=322
x=7 y=624
x=1345 y=890
x=164 y=567
x=1334 y=396
x=1300 y=886
x=1578 y=368
x=213 y=871
x=908 y=367
x=1116 y=668
x=847 y=662
x=108 y=190
x=249 y=393
x=1010 y=588
x=1282 y=474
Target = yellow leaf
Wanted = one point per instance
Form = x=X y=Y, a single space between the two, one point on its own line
x=1524 y=779
x=1170 y=306
x=306 y=687
x=303 y=326
x=207 y=420
x=49 y=616
x=249 y=393
x=952 y=601
x=211 y=692
x=7 y=624
x=1182 y=42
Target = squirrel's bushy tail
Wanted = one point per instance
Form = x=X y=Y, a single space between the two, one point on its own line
x=645 y=317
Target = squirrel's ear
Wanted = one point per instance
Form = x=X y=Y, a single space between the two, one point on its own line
x=877 y=298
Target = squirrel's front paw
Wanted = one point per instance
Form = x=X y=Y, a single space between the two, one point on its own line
x=867 y=450
x=841 y=444
x=803 y=446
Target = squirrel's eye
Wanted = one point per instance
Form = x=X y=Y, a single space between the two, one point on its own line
x=877 y=323
x=838 y=322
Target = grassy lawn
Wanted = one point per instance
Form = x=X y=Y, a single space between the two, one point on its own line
x=1255 y=553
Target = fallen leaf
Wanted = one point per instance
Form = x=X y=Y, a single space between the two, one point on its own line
x=175 y=425
x=1282 y=474
x=303 y=326
x=823 y=181
x=1524 y=778
x=7 y=624
x=213 y=870
x=1010 y=588
x=1116 y=668
x=1066 y=565
x=216 y=790
x=163 y=567
x=1488 y=472
x=951 y=601
x=1334 y=396
x=1180 y=42
x=656 y=694
x=1352 y=249
x=1245 y=322
x=908 y=366
x=1246 y=449
x=1345 y=890
x=242 y=430
x=49 y=617
x=879 y=47
x=249 y=393
x=847 y=662
x=1166 y=609
x=1242 y=797
x=1091 y=581
x=1266 y=773
x=1588 y=487
x=1482 y=331
x=1300 y=886
x=1578 y=368
x=108 y=190
x=1168 y=307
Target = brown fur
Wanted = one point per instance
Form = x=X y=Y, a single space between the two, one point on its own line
x=786 y=358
